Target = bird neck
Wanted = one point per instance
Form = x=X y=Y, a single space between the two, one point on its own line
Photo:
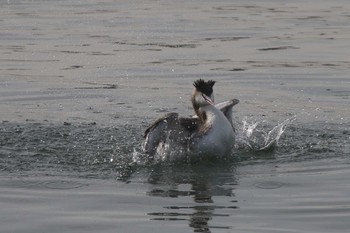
x=206 y=113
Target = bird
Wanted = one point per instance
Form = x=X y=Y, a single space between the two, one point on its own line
x=208 y=133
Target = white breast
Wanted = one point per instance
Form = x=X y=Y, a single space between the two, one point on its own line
x=219 y=138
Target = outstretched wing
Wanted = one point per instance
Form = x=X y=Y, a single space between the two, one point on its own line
x=161 y=123
x=168 y=127
x=226 y=108
x=156 y=132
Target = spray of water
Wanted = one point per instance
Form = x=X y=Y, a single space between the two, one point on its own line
x=253 y=135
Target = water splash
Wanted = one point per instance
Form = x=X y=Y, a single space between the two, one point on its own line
x=102 y=152
x=74 y=149
x=255 y=136
x=251 y=135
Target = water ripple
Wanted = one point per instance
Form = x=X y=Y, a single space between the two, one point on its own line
x=94 y=151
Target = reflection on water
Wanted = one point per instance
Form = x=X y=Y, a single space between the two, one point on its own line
x=200 y=183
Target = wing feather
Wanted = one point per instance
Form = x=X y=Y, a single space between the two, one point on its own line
x=226 y=108
x=157 y=132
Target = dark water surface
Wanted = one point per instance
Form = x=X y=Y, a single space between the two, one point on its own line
x=83 y=177
x=81 y=80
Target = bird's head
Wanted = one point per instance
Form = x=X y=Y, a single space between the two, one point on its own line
x=203 y=93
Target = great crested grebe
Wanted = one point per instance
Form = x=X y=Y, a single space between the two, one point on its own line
x=209 y=133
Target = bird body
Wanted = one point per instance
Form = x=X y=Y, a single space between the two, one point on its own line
x=209 y=133
x=215 y=137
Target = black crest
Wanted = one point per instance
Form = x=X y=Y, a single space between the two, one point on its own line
x=204 y=87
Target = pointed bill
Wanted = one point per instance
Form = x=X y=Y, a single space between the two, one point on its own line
x=208 y=99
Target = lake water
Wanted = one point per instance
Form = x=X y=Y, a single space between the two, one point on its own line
x=81 y=80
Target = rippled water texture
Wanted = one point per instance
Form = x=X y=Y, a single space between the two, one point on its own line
x=81 y=80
